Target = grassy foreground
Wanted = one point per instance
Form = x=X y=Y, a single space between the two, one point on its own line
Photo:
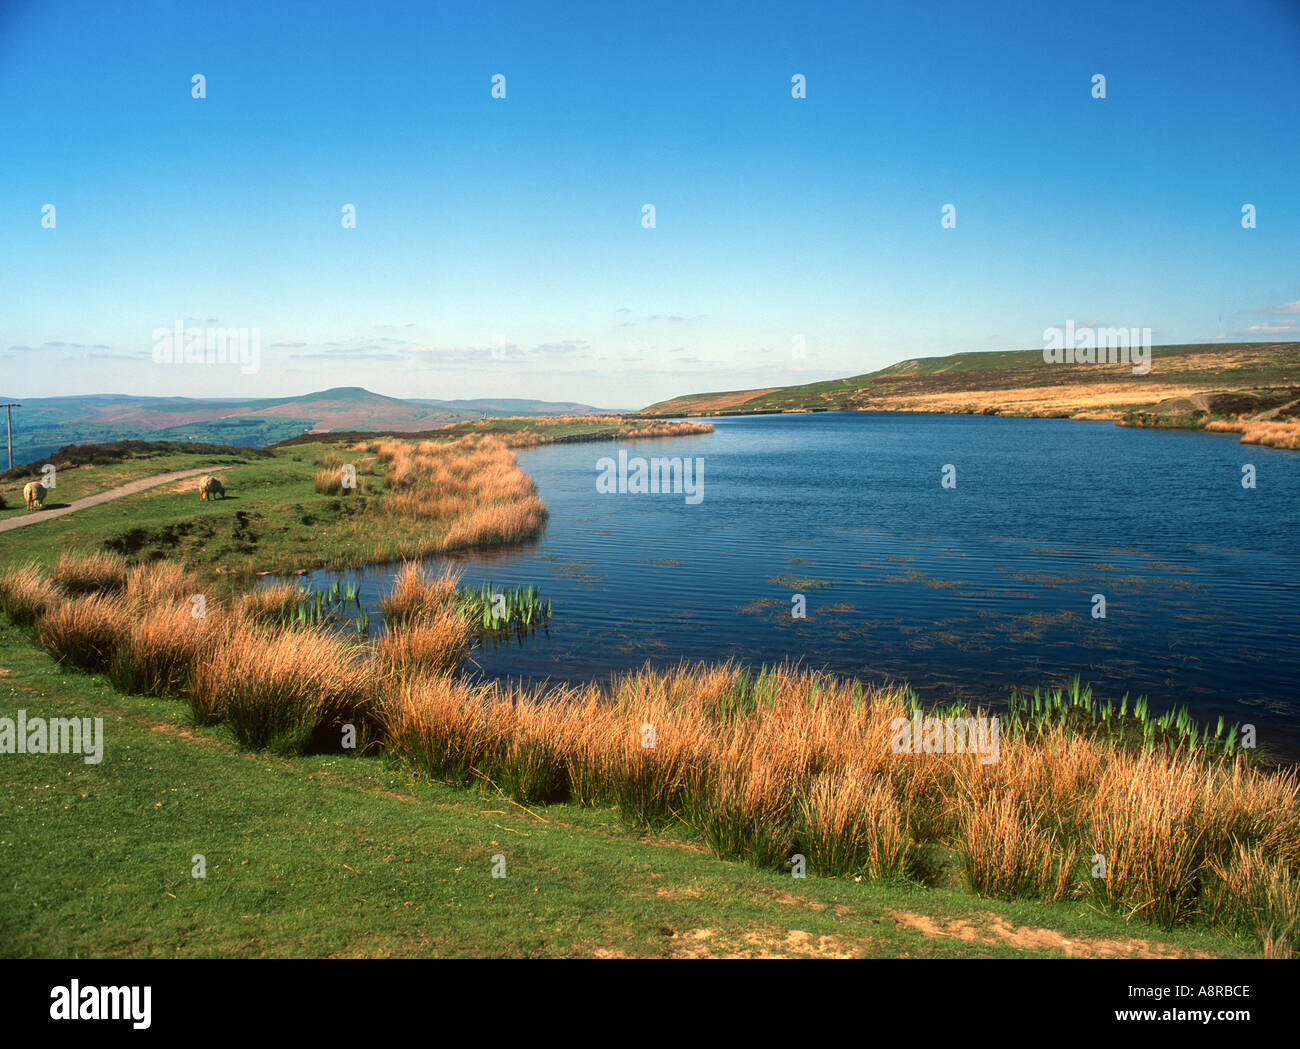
x=329 y=855
x=763 y=768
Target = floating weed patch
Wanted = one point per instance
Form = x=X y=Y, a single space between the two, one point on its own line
x=793 y=582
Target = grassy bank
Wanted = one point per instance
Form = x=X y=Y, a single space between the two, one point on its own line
x=753 y=768
x=331 y=855
x=528 y=431
x=286 y=510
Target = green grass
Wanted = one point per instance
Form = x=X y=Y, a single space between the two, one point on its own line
x=274 y=519
x=81 y=481
x=328 y=855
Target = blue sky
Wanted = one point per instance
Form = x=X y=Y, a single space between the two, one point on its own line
x=499 y=247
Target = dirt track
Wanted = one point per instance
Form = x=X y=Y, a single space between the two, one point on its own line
x=103 y=497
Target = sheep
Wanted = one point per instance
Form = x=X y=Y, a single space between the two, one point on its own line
x=211 y=486
x=34 y=495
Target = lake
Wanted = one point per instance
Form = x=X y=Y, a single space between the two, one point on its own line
x=965 y=591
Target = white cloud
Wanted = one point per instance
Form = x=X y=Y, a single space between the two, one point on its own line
x=1269 y=329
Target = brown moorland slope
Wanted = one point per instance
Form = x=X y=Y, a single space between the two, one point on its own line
x=1249 y=388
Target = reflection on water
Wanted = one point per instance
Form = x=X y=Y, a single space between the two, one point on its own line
x=964 y=592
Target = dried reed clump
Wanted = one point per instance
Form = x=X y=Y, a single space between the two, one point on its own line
x=290 y=690
x=657 y=763
x=1149 y=826
x=99 y=572
x=330 y=482
x=160 y=648
x=273 y=605
x=851 y=823
x=533 y=740
x=1250 y=890
x=25 y=594
x=159 y=582
x=83 y=631
x=1274 y=433
x=418 y=593
x=427 y=642
x=440 y=726
x=470 y=490
x=1008 y=851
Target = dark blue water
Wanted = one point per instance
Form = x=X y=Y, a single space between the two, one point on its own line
x=964 y=592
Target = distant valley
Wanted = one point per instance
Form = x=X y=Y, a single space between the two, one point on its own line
x=44 y=424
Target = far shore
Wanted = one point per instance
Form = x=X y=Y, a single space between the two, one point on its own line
x=1283 y=435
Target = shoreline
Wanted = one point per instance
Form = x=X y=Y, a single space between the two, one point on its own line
x=1288 y=440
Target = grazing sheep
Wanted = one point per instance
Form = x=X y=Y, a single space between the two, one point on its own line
x=211 y=486
x=34 y=495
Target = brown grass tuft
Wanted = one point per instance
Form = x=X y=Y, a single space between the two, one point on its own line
x=417 y=592
x=291 y=690
x=83 y=631
x=101 y=572
x=25 y=594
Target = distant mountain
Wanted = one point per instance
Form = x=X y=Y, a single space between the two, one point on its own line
x=44 y=424
x=516 y=406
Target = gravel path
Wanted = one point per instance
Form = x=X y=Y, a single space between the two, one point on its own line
x=94 y=500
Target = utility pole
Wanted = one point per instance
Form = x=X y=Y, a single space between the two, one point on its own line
x=9 y=433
